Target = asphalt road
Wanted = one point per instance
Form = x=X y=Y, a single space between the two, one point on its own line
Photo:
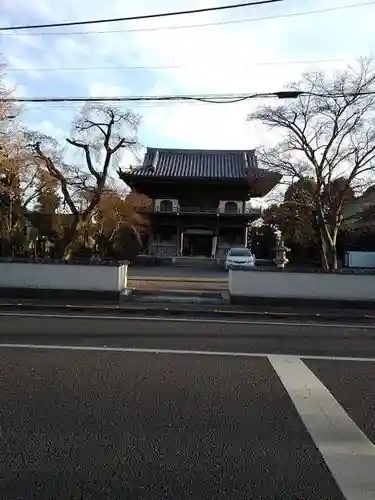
x=267 y=337
x=230 y=415
x=85 y=424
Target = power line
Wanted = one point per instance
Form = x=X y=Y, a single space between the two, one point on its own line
x=135 y=106
x=177 y=66
x=141 y=17
x=207 y=98
x=202 y=25
x=183 y=97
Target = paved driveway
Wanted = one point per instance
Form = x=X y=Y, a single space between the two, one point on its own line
x=170 y=272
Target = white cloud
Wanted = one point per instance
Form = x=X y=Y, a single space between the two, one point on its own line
x=49 y=129
x=216 y=59
x=99 y=89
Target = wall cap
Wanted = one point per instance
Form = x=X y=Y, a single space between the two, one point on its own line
x=290 y=270
x=61 y=262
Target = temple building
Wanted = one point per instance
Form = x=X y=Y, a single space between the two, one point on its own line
x=200 y=199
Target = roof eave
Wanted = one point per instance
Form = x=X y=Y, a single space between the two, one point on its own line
x=262 y=185
x=260 y=182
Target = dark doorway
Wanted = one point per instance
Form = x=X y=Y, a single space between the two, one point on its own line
x=231 y=207
x=166 y=206
x=197 y=243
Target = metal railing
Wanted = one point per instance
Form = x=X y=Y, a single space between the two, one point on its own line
x=203 y=210
x=197 y=210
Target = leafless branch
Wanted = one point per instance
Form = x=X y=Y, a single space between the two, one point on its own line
x=330 y=134
x=58 y=175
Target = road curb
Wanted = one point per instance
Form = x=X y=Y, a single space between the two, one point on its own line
x=189 y=312
x=24 y=306
x=179 y=279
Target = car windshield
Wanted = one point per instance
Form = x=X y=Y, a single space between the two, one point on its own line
x=240 y=252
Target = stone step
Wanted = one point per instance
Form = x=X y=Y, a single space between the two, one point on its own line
x=174 y=296
x=206 y=264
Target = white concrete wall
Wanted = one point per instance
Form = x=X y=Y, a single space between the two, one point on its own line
x=63 y=276
x=122 y=273
x=268 y=284
x=360 y=259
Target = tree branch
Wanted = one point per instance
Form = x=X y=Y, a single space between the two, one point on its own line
x=55 y=172
x=86 y=149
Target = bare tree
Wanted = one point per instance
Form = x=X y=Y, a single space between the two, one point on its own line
x=99 y=134
x=18 y=172
x=329 y=135
x=7 y=109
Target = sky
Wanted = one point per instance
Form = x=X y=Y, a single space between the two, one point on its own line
x=263 y=49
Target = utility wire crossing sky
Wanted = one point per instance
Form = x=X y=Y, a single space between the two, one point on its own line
x=180 y=27
x=144 y=16
x=208 y=98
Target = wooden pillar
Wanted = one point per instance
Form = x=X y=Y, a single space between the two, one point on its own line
x=215 y=240
x=248 y=236
x=178 y=239
x=181 y=248
x=150 y=241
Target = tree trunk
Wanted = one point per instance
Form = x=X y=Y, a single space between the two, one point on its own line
x=333 y=257
x=328 y=245
x=75 y=235
x=70 y=240
x=69 y=250
x=332 y=245
x=328 y=252
x=323 y=251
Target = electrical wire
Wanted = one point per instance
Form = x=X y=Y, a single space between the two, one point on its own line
x=185 y=97
x=193 y=26
x=177 y=67
x=141 y=17
x=68 y=107
x=206 y=98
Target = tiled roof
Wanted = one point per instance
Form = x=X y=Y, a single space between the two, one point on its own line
x=202 y=164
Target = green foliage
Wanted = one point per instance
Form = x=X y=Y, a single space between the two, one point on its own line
x=48 y=200
x=296 y=216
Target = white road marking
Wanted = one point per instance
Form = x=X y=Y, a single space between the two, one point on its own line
x=347 y=451
x=334 y=358
x=134 y=350
x=95 y=317
x=142 y=350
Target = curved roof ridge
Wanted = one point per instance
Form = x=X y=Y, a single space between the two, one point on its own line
x=198 y=150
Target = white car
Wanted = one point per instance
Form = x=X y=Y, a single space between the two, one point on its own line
x=239 y=257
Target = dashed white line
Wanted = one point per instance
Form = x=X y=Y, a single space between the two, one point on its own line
x=347 y=451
